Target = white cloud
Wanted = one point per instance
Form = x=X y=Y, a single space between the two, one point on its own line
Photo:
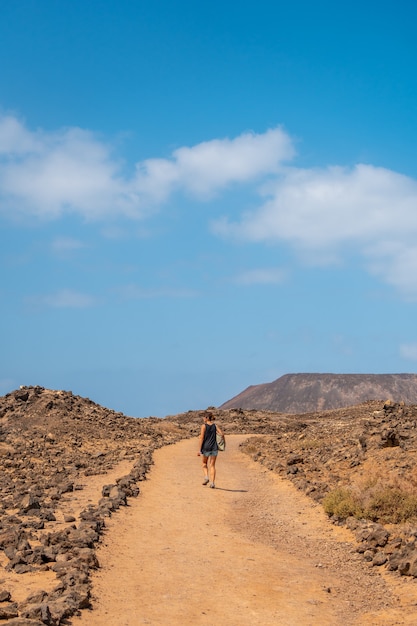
x=15 y=139
x=135 y=292
x=409 y=351
x=265 y=276
x=212 y=165
x=64 y=299
x=323 y=213
x=72 y=171
x=64 y=245
x=316 y=208
x=396 y=263
x=63 y=172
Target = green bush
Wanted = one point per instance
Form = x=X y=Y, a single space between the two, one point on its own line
x=342 y=503
x=392 y=505
x=387 y=505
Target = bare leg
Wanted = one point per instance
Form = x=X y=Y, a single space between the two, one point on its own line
x=212 y=469
x=205 y=470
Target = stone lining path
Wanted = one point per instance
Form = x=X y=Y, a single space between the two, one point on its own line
x=253 y=552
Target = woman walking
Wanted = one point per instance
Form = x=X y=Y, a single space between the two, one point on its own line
x=208 y=448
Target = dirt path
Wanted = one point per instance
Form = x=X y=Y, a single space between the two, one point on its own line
x=254 y=551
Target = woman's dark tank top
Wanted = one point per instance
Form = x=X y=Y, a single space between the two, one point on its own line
x=209 y=443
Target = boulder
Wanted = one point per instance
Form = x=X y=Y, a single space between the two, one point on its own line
x=5 y=596
x=8 y=610
x=22 y=621
x=29 y=503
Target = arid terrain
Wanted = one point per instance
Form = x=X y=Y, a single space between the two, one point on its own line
x=330 y=496
x=302 y=393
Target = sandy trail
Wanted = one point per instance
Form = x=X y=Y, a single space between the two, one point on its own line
x=254 y=551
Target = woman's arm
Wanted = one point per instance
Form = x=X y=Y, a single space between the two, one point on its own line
x=221 y=433
x=201 y=441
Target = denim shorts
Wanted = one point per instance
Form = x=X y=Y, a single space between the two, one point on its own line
x=209 y=452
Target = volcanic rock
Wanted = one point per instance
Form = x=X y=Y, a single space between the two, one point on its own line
x=52 y=441
x=303 y=393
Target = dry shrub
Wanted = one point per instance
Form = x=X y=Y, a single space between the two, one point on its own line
x=378 y=495
x=167 y=427
x=342 y=503
x=252 y=445
x=307 y=444
x=391 y=505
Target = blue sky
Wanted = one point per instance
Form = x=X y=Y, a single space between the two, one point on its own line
x=198 y=197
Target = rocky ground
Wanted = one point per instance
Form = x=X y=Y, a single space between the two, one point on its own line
x=52 y=443
x=370 y=443
x=324 y=451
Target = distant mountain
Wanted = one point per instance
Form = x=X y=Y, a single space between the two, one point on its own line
x=305 y=393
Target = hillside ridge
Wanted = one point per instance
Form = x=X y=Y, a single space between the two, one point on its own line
x=54 y=445
x=309 y=392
